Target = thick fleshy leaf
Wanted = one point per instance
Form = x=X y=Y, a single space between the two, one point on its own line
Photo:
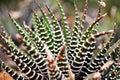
x=64 y=25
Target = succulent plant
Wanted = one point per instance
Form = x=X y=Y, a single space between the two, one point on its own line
x=54 y=52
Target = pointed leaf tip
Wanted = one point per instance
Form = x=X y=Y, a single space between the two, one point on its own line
x=102 y=3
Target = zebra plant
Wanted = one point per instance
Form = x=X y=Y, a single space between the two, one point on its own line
x=54 y=52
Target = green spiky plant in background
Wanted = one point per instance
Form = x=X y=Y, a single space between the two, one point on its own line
x=54 y=52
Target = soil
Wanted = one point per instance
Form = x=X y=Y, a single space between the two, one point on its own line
x=5 y=76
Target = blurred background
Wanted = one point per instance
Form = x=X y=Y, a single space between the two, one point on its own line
x=21 y=10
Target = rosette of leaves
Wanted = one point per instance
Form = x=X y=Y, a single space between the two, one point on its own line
x=54 y=52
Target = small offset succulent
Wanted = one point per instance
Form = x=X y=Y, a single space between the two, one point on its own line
x=54 y=52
